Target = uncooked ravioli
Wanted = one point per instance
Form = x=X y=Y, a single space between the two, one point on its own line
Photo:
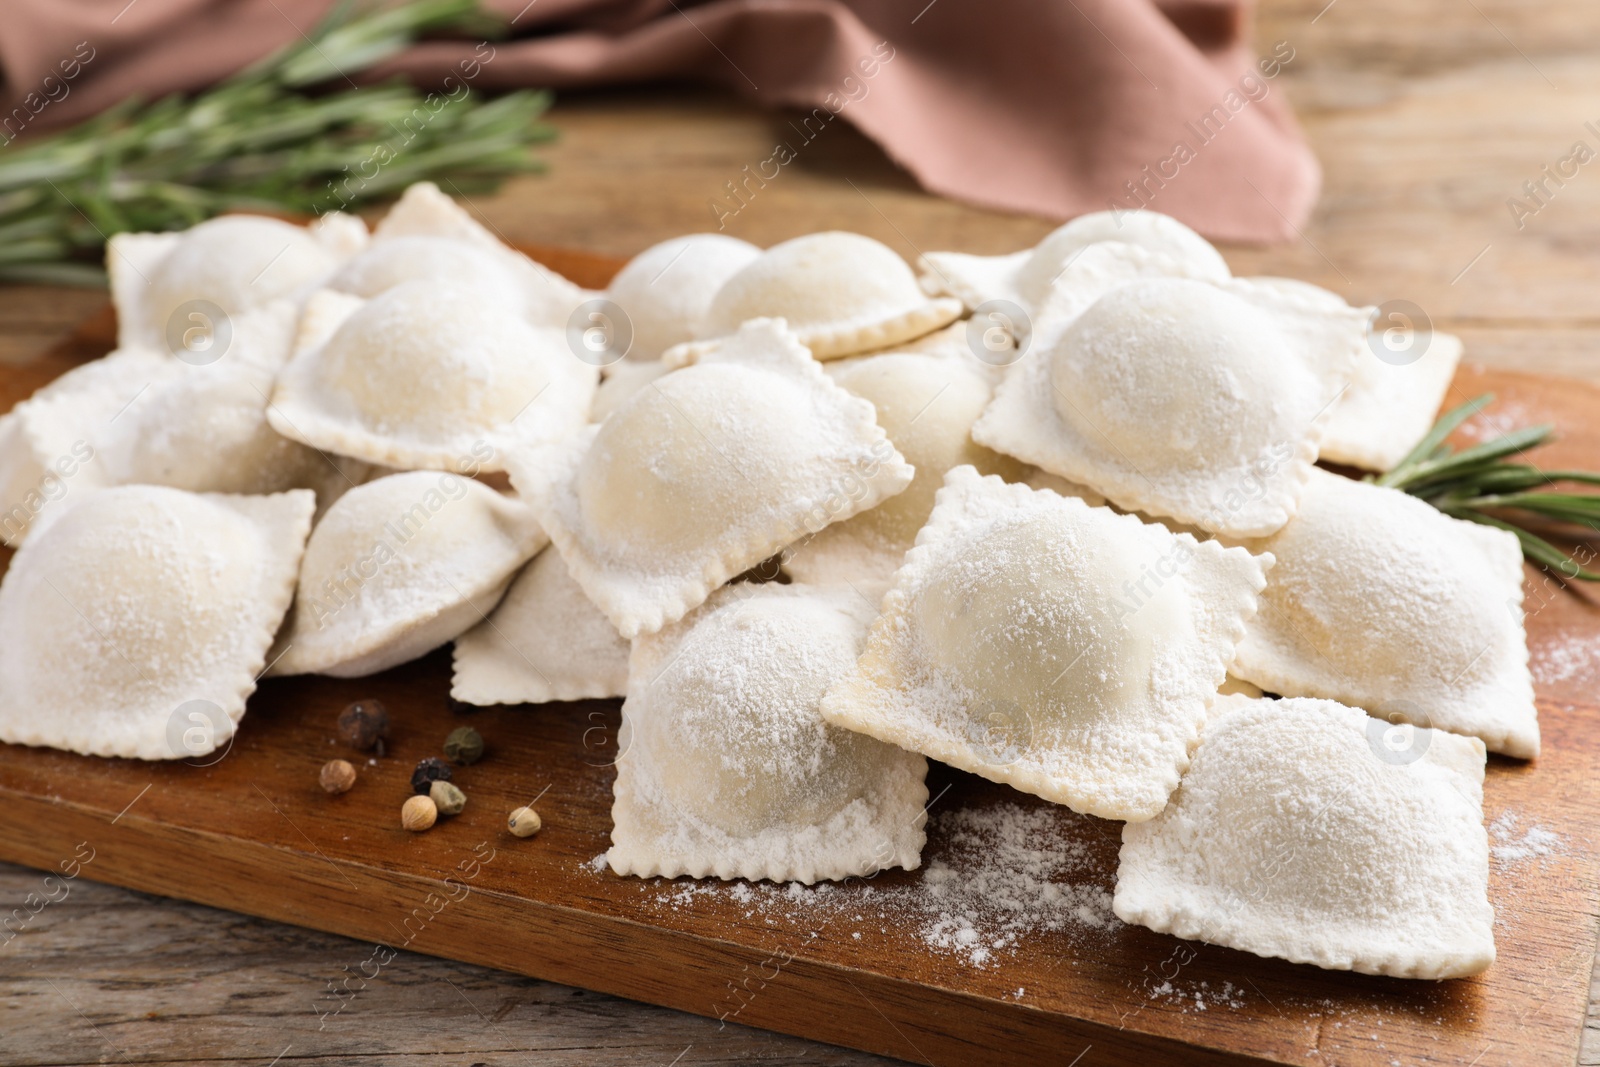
x=726 y=767
x=428 y=375
x=1381 y=601
x=1060 y=648
x=138 y=620
x=841 y=293
x=398 y=567
x=706 y=472
x=1299 y=833
x=1182 y=399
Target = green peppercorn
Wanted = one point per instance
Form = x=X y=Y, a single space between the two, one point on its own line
x=447 y=798
x=464 y=746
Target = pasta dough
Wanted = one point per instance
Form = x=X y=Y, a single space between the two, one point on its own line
x=428 y=237
x=1181 y=399
x=841 y=293
x=705 y=473
x=234 y=263
x=427 y=375
x=1291 y=836
x=1026 y=278
x=545 y=642
x=725 y=766
x=1382 y=602
x=1062 y=649
x=135 y=606
x=926 y=404
x=400 y=566
x=666 y=290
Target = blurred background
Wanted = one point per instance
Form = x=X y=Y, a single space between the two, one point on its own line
x=1457 y=143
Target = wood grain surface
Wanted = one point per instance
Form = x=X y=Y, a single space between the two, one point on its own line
x=250 y=830
x=1427 y=117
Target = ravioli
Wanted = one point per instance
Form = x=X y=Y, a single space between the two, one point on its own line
x=428 y=375
x=666 y=290
x=398 y=567
x=1025 y=278
x=1058 y=648
x=230 y=264
x=139 y=618
x=841 y=293
x=1296 y=834
x=1383 y=602
x=428 y=237
x=926 y=404
x=726 y=768
x=1182 y=399
x=545 y=642
x=705 y=473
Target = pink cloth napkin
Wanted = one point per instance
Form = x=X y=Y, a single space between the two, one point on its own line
x=1051 y=107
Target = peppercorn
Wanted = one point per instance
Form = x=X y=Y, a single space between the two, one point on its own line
x=418 y=813
x=447 y=798
x=464 y=746
x=337 y=776
x=433 y=769
x=524 y=822
x=364 y=724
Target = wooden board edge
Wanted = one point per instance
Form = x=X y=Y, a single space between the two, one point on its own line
x=571 y=946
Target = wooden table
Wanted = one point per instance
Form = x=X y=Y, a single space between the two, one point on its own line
x=1427 y=117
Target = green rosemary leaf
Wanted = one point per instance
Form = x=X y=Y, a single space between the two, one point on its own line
x=256 y=142
x=1426 y=448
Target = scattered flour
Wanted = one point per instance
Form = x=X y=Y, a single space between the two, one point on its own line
x=1508 y=848
x=1576 y=657
x=994 y=877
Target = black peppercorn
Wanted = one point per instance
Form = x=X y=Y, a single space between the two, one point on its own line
x=464 y=746
x=364 y=724
x=430 y=770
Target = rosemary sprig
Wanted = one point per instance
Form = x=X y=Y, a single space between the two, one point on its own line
x=1480 y=484
x=287 y=135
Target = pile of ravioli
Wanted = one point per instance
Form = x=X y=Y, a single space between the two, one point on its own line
x=1054 y=518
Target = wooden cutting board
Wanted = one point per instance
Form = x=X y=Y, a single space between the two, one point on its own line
x=929 y=967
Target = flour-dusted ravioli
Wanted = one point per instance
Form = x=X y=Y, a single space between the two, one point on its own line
x=1401 y=376
x=167 y=285
x=926 y=404
x=725 y=766
x=1182 y=399
x=425 y=375
x=1062 y=649
x=398 y=567
x=546 y=641
x=1383 y=602
x=139 y=618
x=705 y=473
x=1301 y=832
x=204 y=427
x=1390 y=406
x=49 y=443
x=841 y=293
x=428 y=237
x=666 y=290
x=1026 y=277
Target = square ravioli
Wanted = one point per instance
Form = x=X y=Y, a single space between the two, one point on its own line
x=1392 y=403
x=545 y=641
x=177 y=292
x=1181 y=398
x=725 y=766
x=704 y=473
x=1059 y=648
x=138 y=619
x=1304 y=831
x=428 y=375
x=1381 y=601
